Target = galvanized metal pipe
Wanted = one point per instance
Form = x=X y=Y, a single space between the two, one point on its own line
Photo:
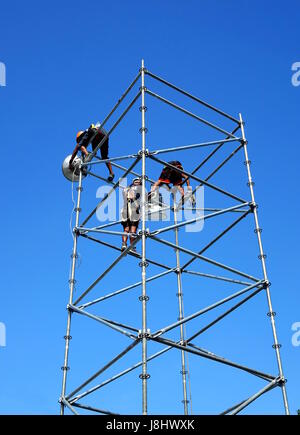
x=106 y=136
x=181 y=311
x=188 y=94
x=144 y=375
x=205 y=310
x=111 y=191
x=187 y=112
x=201 y=257
x=72 y=286
x=190 y=175
x=196 y=145
x=264 y=269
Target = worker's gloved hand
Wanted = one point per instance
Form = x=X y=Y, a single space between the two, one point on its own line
x=189 y=196
x=71 y=166
x=153 y=196
x=188 y=193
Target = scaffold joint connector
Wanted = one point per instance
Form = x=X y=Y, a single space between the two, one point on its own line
x=266 y=284
x=282 y=381
x=144 y=376
x=145 y=232
x=141 y=152
x=146 y=334
x=144 y=298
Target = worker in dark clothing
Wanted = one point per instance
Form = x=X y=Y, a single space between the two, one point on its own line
x=94 y=135
x=171 y=176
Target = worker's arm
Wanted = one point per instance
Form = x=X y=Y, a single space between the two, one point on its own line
x=74 y=154
x=186 y=179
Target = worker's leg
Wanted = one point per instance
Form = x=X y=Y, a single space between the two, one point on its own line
x=111 y=172
x=156 y=185
x=133 y=229
x=181 y=190
x=125 y=237
x=104 y=156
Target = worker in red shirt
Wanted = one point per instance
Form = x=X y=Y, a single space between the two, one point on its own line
x=171 y=176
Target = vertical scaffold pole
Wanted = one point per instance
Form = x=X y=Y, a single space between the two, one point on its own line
x=181 y=311
x=262 y=257
x=72 y=286
x=144 y=376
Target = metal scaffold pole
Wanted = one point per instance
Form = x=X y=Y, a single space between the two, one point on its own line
x=181 y=309
x=72 y=281
x=223 y=216
x=144 y=298
x=262 y=257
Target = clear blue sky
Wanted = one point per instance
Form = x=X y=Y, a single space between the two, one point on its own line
x=67 y=64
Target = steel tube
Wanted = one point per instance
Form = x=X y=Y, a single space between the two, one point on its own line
x=209 y=355
x=144 y=375
x=240 y=218
x=197 y=145
x=187 y=112
x=218 y=189
x=221 y=278
x=121 y=99
x=108 y=269
x=251 y=399
x=110 y=192
x=223 y=315
x=101 y=242
x=264 y=269
x=91 y=408
x=132 y=172
x=205 y=310
x=187 y=94
x=93 y=153
x=104 y=322
x=181 y=312
x=72 y=286
x=119 y=375
x=201 y=257
x=199 y=218
x=102 y=370
x=124 y=289
x=67 y=404
x=111 y=159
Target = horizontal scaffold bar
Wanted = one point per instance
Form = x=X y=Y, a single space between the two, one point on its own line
x=187 y=94
x=192 y=115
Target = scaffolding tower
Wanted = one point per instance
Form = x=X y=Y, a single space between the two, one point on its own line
x=139 y=336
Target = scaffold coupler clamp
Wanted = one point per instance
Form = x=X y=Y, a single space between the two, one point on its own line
x=141 y=152
x=253 y=205
x=282 y=381
x=145 y=233
x=266 y=284
x=146 y=334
